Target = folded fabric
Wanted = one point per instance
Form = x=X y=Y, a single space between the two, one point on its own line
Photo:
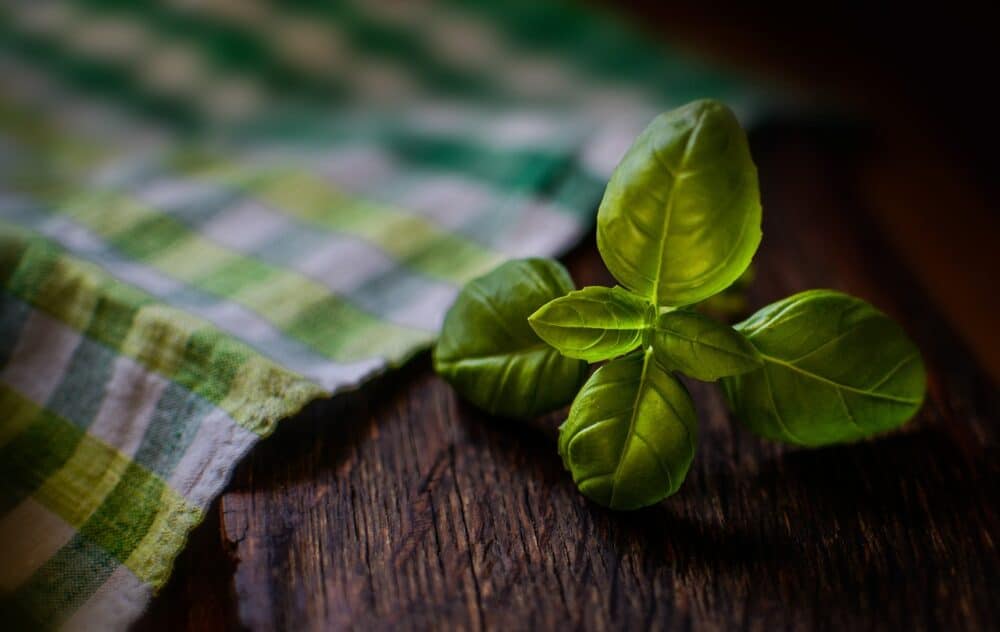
x=212 y=213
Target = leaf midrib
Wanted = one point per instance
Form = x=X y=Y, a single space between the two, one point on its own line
x=852 y=389
x=667 y=214
x=646 y=359
x=588 y=327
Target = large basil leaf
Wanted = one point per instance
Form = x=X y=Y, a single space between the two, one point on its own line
x=630 y=435
x=595 y=323
x=699 y=347
x=680 y=218
x=835 y=369
x=490 y=354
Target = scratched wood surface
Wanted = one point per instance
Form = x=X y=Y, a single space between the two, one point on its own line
x=399 y=507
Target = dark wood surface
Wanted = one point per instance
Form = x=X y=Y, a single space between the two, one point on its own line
x=399 y=507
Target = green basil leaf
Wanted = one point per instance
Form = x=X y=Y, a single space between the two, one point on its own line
x=701 y=348
x=490 y=354
x=630 y=435
x=680 y=218
x=595 y=323
x=835 y=369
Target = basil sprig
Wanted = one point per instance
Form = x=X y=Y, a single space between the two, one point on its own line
x=679 y=223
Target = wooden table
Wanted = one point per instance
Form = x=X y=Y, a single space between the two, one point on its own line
x=399 y=507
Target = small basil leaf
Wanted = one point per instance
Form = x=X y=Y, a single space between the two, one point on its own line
x=835 y=369
x=680 y=218
x=630 y=435
x=595 y=323
x=492 y=357
x=701 y=348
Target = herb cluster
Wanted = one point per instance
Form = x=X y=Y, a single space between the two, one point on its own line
x=679 y=223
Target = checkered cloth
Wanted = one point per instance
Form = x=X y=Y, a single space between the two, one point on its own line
x=210 y=215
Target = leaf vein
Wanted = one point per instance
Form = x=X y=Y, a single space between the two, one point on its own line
x=705 y=344
x=823 y=345
x=777 y=411
x=659 y=460
x=631 y=422
x=680 y=419
x=910 y=358
x=850 y=414
x=859 y=391
x=596 y=424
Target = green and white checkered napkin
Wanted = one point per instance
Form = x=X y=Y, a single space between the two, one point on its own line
x=209 y=216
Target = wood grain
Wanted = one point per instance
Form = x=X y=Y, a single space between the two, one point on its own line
x=399 y=507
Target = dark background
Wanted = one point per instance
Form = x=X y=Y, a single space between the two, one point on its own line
x=399 y=507
x=922 y=80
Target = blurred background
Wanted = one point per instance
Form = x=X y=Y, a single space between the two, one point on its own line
x=915 y=80
x=550 y=94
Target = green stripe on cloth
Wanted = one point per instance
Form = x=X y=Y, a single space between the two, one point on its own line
x=36 y=444
x=60 y=586
x=96 y=77
x=283 y=297
x=407 y=237
x=225 y=45
x=412 y=240
x=205 y=361
x=535 y=169
x=122 y=511
x=555 y=177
